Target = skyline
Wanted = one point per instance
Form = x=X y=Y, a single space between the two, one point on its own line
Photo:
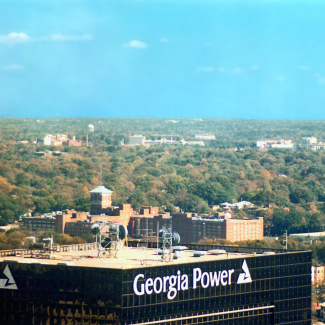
x=168 y=59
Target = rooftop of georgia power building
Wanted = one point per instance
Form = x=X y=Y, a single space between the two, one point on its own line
x=86 y=255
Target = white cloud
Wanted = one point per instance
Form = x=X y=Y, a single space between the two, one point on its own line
x=12 y=67
x=222 y=69
x=281 y=78
x=320 y=78
x=164 y=40
x=305 y=68
x=68 y=38
x=206 y=69
x=136 y=44
x=14 y=38
x=238 y=70
x=255 y=67
x=309 y=72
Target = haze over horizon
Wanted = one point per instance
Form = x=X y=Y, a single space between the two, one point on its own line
x=163 y=58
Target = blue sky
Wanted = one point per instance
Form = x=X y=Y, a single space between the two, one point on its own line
x=163 y=58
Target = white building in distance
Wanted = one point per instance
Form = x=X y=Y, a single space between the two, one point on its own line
x=275 y=144
x=205 y=136
x=312 y=144
x=309 y=140
x=47 y=141
x=137 y=140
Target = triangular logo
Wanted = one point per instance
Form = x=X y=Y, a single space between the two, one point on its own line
x=246 y=276
x=8 y=283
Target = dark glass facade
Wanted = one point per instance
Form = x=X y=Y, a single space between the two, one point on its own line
x=279 y=293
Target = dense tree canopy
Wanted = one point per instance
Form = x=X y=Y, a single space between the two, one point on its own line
x=290 y=185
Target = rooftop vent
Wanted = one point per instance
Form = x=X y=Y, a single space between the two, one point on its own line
x=199 y=253
x=269 y=253
x=179 y=248
x=217 y=251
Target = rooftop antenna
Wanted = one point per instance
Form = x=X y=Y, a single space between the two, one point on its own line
x=286 y=240
x=96 y=230
x=167 y=241
x=113 y=242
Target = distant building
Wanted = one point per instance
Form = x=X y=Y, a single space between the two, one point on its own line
x=47 y=141
x=193 y=228
x=308 y=141
x=115 y=214
x=312 y=144
x=215 y=207
x=53 y=221
x=147 y=222
x=54 y=140
x=282 y=146
x=237 y=205
x=100 y=200
x=199 y=143
x=61 y=140
x=91 y=128
x=101 y=208
x=275 y=144
x=101 y=211
x=4 y=229
x=83 y=227
x=317 y=275
x=309 y=236
x=137 y=140
x=205 y=136
x=40 y=153
x=72 y=142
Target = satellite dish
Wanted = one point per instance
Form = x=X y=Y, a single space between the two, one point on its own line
x=176 y=238
x=123 y=232
x=113 y=228
x=95 y=229
x=106 y=242
x=120 y=229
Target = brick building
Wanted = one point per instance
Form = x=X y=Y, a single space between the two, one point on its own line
x=72 y=142
x=41 y=223
x=192 y=228
x=244 y=229
x=68 y=216
x=100 y=200
x=61 y=140
x=317 y=275
x=101 y=211
x=147 y=225
x=120 y=214
x=145 y=222
x=101 y=208
x=80 y=228
x=55 y=222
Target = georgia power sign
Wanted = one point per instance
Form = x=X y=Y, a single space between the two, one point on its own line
x=174 y=283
